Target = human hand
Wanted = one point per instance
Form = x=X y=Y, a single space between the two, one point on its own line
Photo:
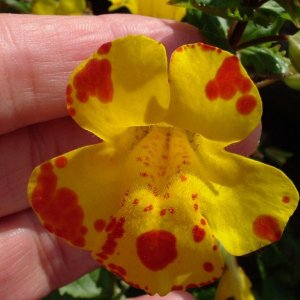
x=38 y=54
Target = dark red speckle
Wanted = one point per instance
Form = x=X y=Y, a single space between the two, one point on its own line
x=198 y=234
x=208 y=267
x=115 y=231
x=267 y=227
x=94 y=80
x=156 y=249
x=61 y=162
x=286 y=199
x=58 y=208
x=246 y=104
x=228 y=81
x=105 y=48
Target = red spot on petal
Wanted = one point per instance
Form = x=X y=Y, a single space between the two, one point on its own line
x=286 y=199
x=135 y=202
x=267 y=227
x=206 y=47
x=215 y=247
x=156 y=249
x=196 y=207
x=99 y=225
x=61 y=161
x=203 y=222
x=198 y=234
x=228 y=81
x=163 y=212
x=194 y=196
x=58 y=208
x=115 y=229
x=119 y=271
x=208 y=267
x=148 y=208
x=179 y=49
x=71 y=111
x=94 y=80
x=69 y=100
x=177 y=288
x=246 y=104
x=183 y=178
x=69 y=90
x=171 y=210
x=105 y=48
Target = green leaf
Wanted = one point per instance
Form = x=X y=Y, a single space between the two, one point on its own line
x=293 y=9
x=227 y=9
x=85 y=287
x=20 y=6
x=213 y=28
x=265 y=61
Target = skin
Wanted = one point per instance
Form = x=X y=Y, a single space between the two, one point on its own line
x=37 y=55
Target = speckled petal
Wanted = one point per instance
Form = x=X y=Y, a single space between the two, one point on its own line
x=162 y=193
x=212 y=94
x=123 y=84
x=75 y=194
x=247 y=203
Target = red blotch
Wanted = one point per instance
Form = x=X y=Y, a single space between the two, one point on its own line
x=246 y=104
x=135 y=202
x=69 y=100
x=286 y=199
x=198 y=234
x=156 y=249
x=183 y=178
x=119 y=271
x=163 y=212
x=148 y=208
x=171 y=210
x=194 y=196
x=99 y=225
x=177 y=288
x=215 y=247
x=115 y=230
x=105 y=48
x=61 y=162
x=206 y=47
x=228 y=81
x=196 y=207
x=179 y=49
x=71 y=111
x=94 y=80
x=203 y=222
x=267 y=227
x=69 y=90
x=58 y=208
x=208 y=267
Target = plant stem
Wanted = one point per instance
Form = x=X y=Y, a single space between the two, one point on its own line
x=261 y=40
x=237 y=33
x=266 y=82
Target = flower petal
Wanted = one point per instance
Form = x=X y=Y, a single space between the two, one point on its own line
x=152 y=8
x=145 y=246
x=212 y=94
x=75 y=194
x=121 y=85
x=247 y=203
x=234 y=283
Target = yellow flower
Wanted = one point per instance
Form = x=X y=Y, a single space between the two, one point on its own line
x=234 y=283
x=153 y=8
x=58 y=7
x=154 y=199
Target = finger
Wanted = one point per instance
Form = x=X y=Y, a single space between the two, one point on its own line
x=38 y=54
x=32 y=262
x=172 y=296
